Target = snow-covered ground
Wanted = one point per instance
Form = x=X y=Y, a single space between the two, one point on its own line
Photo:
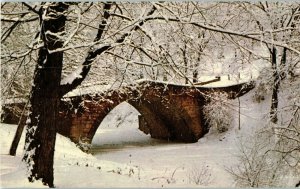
x=123 y=156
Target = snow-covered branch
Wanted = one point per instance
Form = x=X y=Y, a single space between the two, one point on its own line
x=225 y=31
x=4 y=19
x=75 y=78
x=131 y=61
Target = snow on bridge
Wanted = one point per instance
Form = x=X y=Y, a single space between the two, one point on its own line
x=224 y=81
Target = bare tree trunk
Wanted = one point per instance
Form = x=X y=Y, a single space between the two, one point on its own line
x=274 y=103
x=18 y=134
x=195 y=72
x=17 y=137
x=16 y=140
x=278 y=76
x=283 y=65
x=45 y=98
x=239 y=113
x=185 y=61
x=298 y=184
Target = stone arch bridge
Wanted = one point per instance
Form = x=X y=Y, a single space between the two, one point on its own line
x=167 y=111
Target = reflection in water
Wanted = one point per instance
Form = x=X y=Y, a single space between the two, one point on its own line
x=106 y=148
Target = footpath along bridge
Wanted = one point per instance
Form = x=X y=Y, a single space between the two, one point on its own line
x=167 y=111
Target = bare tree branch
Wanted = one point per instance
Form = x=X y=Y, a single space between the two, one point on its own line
x=31 y=8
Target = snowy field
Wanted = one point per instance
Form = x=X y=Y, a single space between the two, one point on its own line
x=123 y=156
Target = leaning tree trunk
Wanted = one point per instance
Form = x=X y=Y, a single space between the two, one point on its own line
x=45 y=98
x=18 y=134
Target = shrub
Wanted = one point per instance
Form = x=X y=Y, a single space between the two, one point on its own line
x=217 y=113
x=200 y=175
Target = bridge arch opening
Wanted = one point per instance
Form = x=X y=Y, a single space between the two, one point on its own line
x=120 y=128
